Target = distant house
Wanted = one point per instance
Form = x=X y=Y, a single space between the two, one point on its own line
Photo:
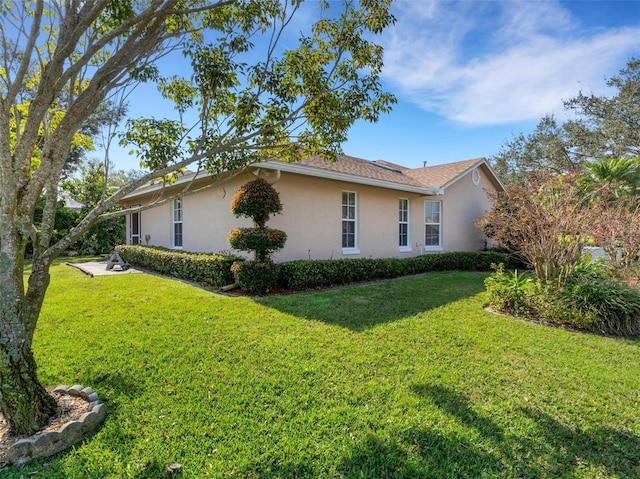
x=70 y=202
x=349 y=208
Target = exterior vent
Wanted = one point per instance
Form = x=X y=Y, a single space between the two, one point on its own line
x=385 y=167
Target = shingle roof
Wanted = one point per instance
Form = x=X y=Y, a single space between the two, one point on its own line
x=428 y=180
x=358 y=167
x=442 y=175
x=438 y=175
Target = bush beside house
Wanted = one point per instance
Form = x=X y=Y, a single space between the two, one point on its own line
x=209 y=269
x=257 y=200
x=216 y=270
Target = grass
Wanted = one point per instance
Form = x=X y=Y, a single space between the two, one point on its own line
x=402 y=379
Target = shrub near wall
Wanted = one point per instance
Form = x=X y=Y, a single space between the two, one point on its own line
x=215 y=270
x=303 y=274
x=210 y=269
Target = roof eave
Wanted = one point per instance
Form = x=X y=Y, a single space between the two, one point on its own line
x=152 y=187
x=478 y=164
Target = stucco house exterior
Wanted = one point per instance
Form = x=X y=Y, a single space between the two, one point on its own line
x=349 y=208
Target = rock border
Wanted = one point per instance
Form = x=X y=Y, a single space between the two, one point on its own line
x=52 y=442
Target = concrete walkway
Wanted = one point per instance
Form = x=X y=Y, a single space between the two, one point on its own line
x=99 y=268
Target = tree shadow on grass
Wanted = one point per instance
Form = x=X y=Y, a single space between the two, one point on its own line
x=418 y=453
x=551 y=448
x=363 y=307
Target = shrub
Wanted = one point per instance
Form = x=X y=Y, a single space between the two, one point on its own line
x=257 y=200
x=255 y=277
x=210 y=269
x=302 y=274
x=511 y=292
x=263 y=241
x=590 y=299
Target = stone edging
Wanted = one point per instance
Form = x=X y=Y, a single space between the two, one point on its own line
x=52 y=442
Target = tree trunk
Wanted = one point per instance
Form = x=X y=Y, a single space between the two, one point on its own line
x=24 y=402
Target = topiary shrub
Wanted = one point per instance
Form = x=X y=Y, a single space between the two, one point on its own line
x=257 y=200
x=263 y=241
x=255 y=277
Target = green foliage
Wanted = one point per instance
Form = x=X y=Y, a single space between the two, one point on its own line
x=101 y=238
x=456 y=261
x=61 y=60
x=257 y=200
x=263 y=241
x=510 y=292
x=90 y=186
x=303 y=274
x=592 y=300
x=255 y=277
x=210 y=269
x=66 y=219
x=621 y=175
x=585 y=297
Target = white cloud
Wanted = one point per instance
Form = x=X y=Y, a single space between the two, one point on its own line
x=489 y=63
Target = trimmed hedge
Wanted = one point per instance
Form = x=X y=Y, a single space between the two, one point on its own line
x=210 y=269
x=255 y=277
x=303 y=274
x=215 y=270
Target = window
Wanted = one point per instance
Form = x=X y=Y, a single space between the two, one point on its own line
x=432 y=225
x=134 y=228
x=177 y=223
x=403 y=224
x=349 y=223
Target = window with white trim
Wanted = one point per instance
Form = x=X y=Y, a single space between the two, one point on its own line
x=432 y=225
x=349 y=222
x=176 y=236
x=403 y=224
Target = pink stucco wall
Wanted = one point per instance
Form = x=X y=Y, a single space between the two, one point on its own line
x=311 y=218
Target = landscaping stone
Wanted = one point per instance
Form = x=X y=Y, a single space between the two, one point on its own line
x=52 y=442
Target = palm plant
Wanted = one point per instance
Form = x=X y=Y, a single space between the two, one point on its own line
x=620 y=175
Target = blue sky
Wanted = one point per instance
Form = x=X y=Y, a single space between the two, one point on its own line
x=470 y=74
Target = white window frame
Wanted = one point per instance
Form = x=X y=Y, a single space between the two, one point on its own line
x=403 y=220
x=438 y=223
x=135 y=239
x=177 y=217
x=352 y=219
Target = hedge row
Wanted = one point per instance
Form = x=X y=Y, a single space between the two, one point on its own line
x=211 y=269
x=215 y=270
x=301 y=275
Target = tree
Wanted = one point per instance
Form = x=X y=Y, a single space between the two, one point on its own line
x=604 y=127
x=91 y=184
x=621 y=175
x=546 y=220
x=60 y=61
x=546 y=149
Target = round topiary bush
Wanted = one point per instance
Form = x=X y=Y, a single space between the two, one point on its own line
x=263 y=241
x=257 y=200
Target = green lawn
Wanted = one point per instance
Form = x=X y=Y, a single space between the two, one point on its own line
x=407 y=378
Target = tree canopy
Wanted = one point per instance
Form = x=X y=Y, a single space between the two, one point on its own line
x=601 y=127
x=256 y=92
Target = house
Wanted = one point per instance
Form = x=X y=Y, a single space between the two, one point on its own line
x=349 y=208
